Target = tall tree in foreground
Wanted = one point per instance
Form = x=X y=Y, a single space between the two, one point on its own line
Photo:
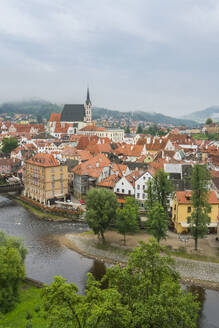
x=150 y=287
x=12 y=271
x=127 y=217
x=145 y=294
x=200 y=205
x=157 y=222
x=101 y=205
x=8 y=144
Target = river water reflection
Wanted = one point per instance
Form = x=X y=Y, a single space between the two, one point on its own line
x=47 y=257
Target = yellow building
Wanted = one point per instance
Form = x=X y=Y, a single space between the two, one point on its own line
x=182 y=209
x=44 y=178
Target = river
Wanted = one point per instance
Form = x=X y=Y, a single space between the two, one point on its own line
x=47 y=257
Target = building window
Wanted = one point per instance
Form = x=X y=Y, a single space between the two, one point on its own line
x=138 y=195
x=123 y=190
x=189 y=219
x=189 y=209
x=129 y=192
x=143 y=187
x=117 y=189
x=138 y=187
x=143 y=195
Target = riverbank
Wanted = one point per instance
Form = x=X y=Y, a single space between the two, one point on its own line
x=42 y=215
x=204 y=274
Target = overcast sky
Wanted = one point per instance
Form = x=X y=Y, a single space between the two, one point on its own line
x=152 y=55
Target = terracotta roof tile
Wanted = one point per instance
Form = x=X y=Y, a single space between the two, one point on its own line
x=43 y=159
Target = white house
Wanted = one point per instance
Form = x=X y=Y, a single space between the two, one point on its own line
x=124 y=187
x=140 y=187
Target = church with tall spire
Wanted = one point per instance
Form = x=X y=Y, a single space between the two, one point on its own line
x=77 y=116
x=88 y=104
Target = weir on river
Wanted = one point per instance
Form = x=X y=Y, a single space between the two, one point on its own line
x=47 y=257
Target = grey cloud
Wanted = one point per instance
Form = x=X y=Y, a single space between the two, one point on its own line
x=153 y=55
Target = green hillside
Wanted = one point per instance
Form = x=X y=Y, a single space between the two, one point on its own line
x=45 y=108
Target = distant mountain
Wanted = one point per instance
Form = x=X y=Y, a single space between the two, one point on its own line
x=44 y=108
x=140 y=116
x=202 y=115
x=35 y=107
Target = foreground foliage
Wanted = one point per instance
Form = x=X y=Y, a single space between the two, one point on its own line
x=29 y=306
x=145 y=294
x=12 y=271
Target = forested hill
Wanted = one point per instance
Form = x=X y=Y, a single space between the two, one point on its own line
x=140 y=116
x=203 y=115
x=35 y=107
x=45 y=108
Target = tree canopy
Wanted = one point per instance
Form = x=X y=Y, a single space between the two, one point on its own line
x=126 y=217
x=209 y=121
x=157 y=222
x=101 y=207
x=200 y=205
x=12 y=271
x=144 y=294
x=8 y=144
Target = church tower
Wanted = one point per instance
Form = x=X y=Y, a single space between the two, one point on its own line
x=88 y=117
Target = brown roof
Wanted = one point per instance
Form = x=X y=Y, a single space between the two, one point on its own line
x=43 y=159
x=93 y=167
x=109 y=182
x=184 y=197
x=55 y=117
x=92 y=128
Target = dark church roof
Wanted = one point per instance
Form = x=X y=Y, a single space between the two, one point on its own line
x=73 y=113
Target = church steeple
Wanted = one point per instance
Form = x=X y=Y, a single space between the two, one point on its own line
x=88 y=104
x=88 y=101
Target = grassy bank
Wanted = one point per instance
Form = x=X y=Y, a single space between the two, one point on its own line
x=30 y=302
x=40 y=214
x=196 y=257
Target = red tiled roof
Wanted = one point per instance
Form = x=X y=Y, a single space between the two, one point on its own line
x=109 y=182
x=184 y=197
x=55 y=117
x=43 y=159
x=92 y=128
x=92 y=167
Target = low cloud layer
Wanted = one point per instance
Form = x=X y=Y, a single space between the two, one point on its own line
x=150 y=55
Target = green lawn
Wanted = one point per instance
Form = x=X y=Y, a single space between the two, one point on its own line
x=29 y=301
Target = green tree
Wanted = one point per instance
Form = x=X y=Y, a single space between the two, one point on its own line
x=157 y=222
x=159 y=189
x=12 y=271
x=8 y=144
x=127 y=129
x=150 y=195
x=150 y=287
x=209 y=121
x=144 y=294
x=126 y=217
x=200 y=205
x=139 y=129
x=101 y=205
x=98 y=308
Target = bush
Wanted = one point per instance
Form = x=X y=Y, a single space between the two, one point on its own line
x=29 y=324
x=37 y=308
x=29 y=316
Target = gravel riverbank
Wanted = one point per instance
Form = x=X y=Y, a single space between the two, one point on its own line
x=191 y=271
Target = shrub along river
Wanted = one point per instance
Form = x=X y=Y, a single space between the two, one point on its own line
x=47 y=257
